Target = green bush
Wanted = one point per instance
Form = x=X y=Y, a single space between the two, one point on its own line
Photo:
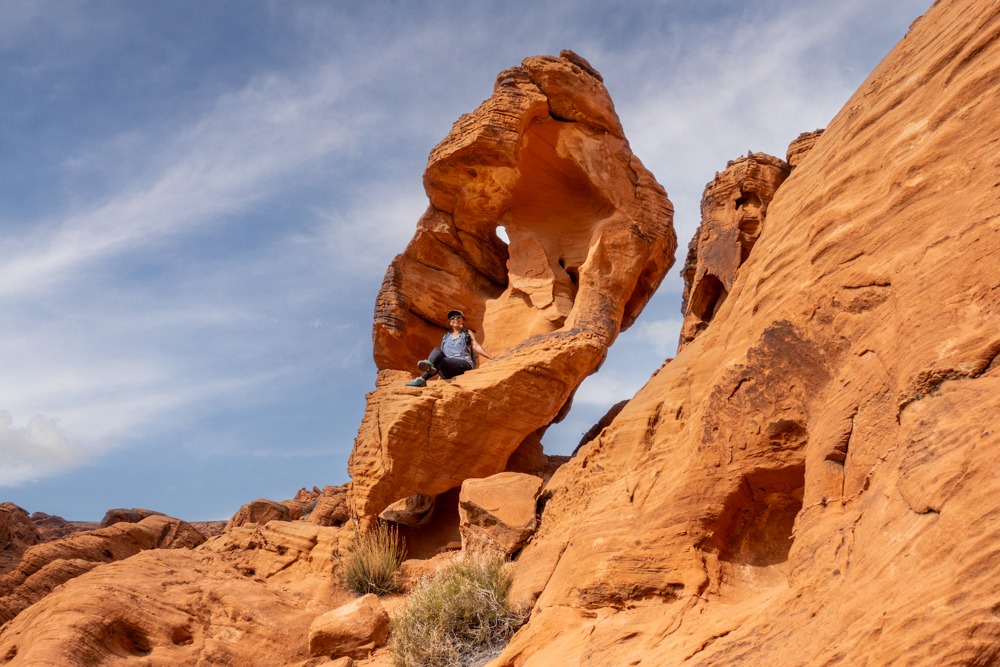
x=457 y=618
x=372 y=565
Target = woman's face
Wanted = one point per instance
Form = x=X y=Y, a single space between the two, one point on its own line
x=457 y=321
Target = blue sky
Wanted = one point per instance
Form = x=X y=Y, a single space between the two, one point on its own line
x=198 y=201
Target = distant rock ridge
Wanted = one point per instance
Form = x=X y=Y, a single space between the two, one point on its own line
x=590 y=238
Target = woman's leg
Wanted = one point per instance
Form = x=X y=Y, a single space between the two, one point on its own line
x=435 y=358
x=450 y=367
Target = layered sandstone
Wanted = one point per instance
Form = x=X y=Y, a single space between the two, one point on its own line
x=162 y=607
x=245 y=597
x=800 y=147
x=590 y=238
x=17 y=533
x=733 y=213
x=45 y=566
x=812 y=480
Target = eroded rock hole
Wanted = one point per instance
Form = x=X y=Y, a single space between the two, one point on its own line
x=124 y=639
x=181 y=636
x=436 y=532
x=748 y=200
x=755 y=526
x=708 y=297
x=749 y=541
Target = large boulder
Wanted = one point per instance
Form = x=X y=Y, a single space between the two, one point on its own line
x=353 y=630
x=813 y=479
x=499 y=512
x=590 y=238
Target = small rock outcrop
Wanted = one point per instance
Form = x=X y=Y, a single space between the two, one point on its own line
x=800 y=147
x=52 y=527
x=499 y=512
x=17 y=533
x=589 y=238
x=353 y=630
x=119 y=515
x=733 y=214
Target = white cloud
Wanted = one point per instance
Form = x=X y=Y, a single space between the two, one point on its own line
x=36 y=450
x=661 y=335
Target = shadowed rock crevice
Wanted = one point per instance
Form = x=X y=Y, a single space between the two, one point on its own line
x=752 y=536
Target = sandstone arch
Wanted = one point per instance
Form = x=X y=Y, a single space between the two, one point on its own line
x=590 y=238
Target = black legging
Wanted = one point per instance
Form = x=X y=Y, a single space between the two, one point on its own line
x=448 y=367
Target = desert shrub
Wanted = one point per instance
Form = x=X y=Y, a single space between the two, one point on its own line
x=372 y=564
x=459 y=617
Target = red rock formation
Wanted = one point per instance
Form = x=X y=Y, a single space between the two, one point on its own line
x=590 y=239
x=17 y=533
x=812 y=480
x=45 y=566
x=52 y=527
x=499 y=512
x=353 y=630
x=800 y=147
x=162 y=607
x=118 y=515
x=733 y=214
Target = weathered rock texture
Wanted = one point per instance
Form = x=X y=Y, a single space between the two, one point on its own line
x=813 y=479
x=247 y=597
x=800 y=147
x=162 y=607
x=733 y=214
x=17 y=533
x=498 y=513
x=45 y=566
x=52 y=527
x=121 y=514
x=353 y=630
x=590 y=239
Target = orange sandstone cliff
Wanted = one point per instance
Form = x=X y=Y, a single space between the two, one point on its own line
x=813 y=479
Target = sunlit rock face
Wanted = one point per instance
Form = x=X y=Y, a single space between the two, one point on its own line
x=46 y=566
x=733 y=213
x=544 y=162
x=800 y=147
x=813 y=479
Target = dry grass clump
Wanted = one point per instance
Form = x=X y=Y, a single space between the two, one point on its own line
x=459 y=617
x=372 y=565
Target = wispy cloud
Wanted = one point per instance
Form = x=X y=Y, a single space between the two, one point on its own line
x=248 y=146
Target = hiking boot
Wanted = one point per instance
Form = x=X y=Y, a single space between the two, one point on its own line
x=417 y=382
x=427 y=367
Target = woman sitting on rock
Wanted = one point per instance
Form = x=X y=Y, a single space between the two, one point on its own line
x=456 y=355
